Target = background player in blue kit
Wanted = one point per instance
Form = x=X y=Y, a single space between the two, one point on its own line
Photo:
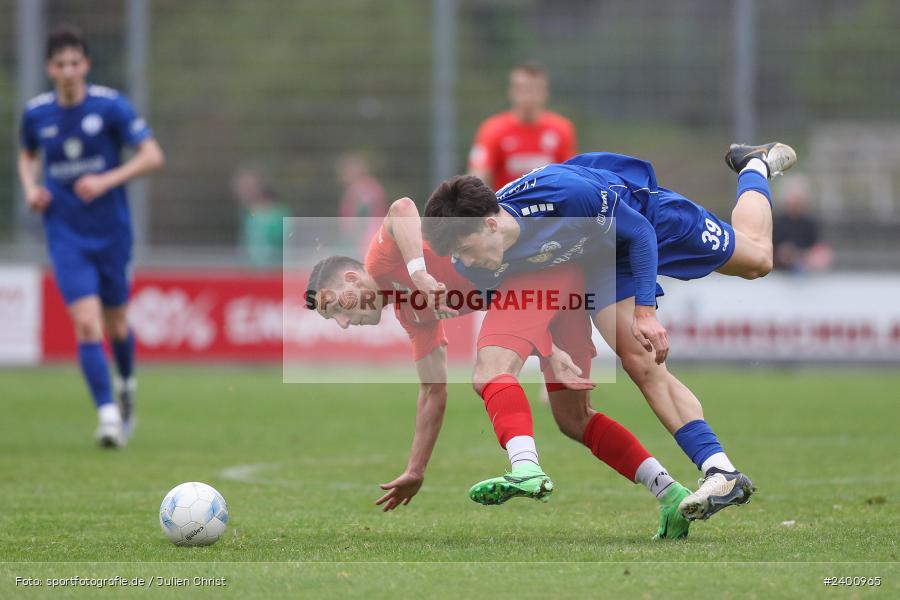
x=80 y=130
x=656 y=232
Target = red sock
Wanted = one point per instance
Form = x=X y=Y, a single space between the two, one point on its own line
x=616 y=446
x=507 y=406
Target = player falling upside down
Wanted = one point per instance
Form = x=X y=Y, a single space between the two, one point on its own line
x=657 y=232
x=397 y=260
x=81 y=129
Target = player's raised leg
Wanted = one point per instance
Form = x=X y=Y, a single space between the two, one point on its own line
x=507 y=406
x=86 y=317
x=124 y=382
x=680 y=411
x=752 y=215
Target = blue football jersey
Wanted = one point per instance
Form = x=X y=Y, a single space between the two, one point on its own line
x=566 y=212
x=75 y=141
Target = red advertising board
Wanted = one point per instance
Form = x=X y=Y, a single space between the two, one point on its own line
x=215 y=316
x=240 y=316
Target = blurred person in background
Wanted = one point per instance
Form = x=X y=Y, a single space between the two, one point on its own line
x=363 y=203
x=261 y=218
x=74 y=136
x=362 y=195
x=514 y=142
x=796 y=237
x=510 y=144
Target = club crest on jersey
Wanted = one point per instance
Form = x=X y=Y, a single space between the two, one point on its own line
x=549 y=141
x=92 y=124
x=546 y=252
x=49 y=131
x=72 y=148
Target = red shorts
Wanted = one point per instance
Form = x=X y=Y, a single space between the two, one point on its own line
x=424 y=337
x=528 y=328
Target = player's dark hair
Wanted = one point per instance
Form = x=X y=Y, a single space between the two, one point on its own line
x=65 y=36
x=323 y=274
x=535 y=69
x=453 y=209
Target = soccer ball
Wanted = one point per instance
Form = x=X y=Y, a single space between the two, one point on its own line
x=193 y=514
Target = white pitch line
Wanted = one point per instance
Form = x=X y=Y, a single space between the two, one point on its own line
x=244 y=473
x=251 y=474
x=837 y=480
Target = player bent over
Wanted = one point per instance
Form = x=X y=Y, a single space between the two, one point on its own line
x=657 y=232
x=80 y=130
x=397 y=261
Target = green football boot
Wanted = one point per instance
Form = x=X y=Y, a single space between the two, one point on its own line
x=524 y=482
x=672 y=524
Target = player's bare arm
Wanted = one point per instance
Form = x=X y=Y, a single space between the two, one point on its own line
x=148 y=158
x=647 y=330
x=567 y=372
x=404 y=225
x=432 y=400
x=36 y=195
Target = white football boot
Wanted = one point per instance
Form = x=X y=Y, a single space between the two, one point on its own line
x=778 y=157
x=717 y=490
x=110 y=431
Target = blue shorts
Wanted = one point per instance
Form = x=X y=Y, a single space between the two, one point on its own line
x=104 y=273
x=692 y=243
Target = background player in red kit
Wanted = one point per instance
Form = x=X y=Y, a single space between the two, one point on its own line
x=398 y=261
x=514 y=142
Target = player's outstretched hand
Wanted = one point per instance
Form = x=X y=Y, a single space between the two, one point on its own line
x=566 y=372
x=39 y=199
x=90 y=187
x=650 y=332
x=400 y=490
x=435 y=294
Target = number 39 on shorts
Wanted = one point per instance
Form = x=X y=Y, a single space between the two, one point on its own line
x=713 y=234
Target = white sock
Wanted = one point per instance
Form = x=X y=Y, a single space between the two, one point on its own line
x=521 y=450
x=756 y=164
x=109 y=413
x=718 y=460
x=652 y=474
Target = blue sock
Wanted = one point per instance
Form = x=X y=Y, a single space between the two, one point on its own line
x=93 y=364
x=750 y=180
x=698 y=441
x=123 y=350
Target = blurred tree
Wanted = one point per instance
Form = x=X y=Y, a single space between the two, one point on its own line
x=850 y=68
x=291 y=85
x=7 y=151
x=295 y=84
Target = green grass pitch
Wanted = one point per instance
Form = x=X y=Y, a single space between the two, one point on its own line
x=299 y=467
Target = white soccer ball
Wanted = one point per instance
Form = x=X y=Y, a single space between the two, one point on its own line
x=193 y=514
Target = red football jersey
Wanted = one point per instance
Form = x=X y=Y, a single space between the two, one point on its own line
x=385 y=264
x=508 y=148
